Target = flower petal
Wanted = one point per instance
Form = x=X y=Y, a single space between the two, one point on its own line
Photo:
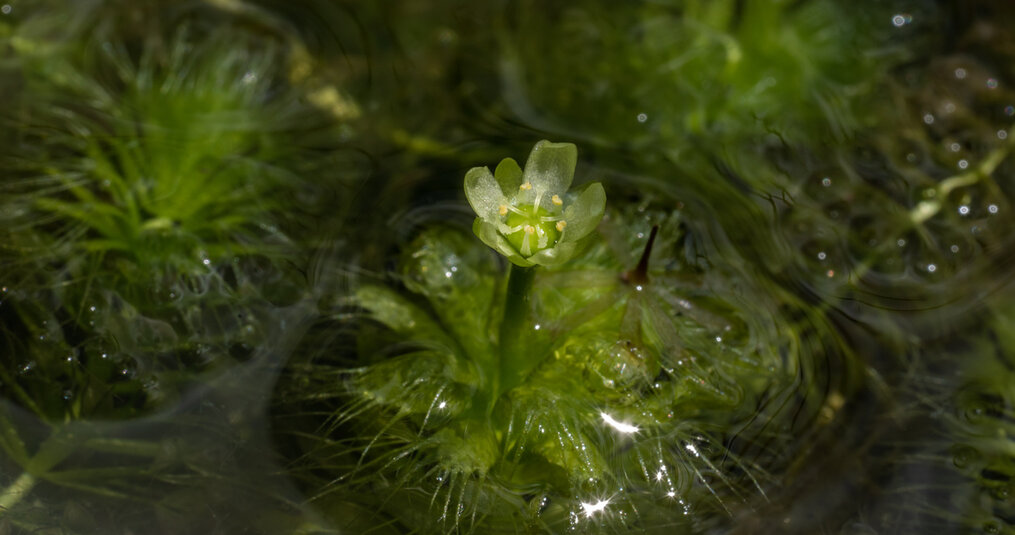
x=519 y=261
x=556 y=255
x=584 y=213
x=488 y=234
x=550 y=167
x=483 y=193
x=509 y=176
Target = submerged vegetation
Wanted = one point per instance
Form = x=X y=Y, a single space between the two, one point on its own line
x=255 y=276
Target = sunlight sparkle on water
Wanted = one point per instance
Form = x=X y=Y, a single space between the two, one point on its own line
x=619 y=426
x=593 y=508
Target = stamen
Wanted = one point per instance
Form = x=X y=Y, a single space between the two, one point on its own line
x=525 y=187
x=502 y=210
x=556 y=200
x=529 y=229
x=526 y=248
x=560 y=225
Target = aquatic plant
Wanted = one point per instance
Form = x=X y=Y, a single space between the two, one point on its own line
x=704 y=70
x=777 y=325
x=594 y=395
x=143 y=201
x=179 y=162
x=147 y=183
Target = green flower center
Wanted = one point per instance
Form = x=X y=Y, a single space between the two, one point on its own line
x=532 y=229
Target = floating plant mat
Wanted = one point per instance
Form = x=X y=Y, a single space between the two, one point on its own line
x=307 y=267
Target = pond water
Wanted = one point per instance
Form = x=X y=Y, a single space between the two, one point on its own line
x=241 y=290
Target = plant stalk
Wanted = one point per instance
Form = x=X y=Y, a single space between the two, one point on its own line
x=515 y=362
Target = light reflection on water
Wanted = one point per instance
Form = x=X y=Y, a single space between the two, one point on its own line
x=192 y=212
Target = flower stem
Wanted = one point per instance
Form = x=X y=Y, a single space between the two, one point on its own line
x=514 y=362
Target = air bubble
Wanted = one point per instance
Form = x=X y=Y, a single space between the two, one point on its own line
x=963 y=210
x=642 y=117
x=992 y=208
x=1002 y=134
x=963 y=456
x=963 y=164
x=826 y=182
x=991 y=83
x=931 y=268
x=901 y=19
x=928 y=119
x=960 y=73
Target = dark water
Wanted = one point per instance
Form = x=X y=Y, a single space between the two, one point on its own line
x=240 y=293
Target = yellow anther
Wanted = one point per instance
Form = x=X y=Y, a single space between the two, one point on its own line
x=502 y=210
x=525 y=187
x=560 y=225
x=556 y=200
x=529 y=229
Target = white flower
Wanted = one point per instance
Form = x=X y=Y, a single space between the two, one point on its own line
x=530 y=217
